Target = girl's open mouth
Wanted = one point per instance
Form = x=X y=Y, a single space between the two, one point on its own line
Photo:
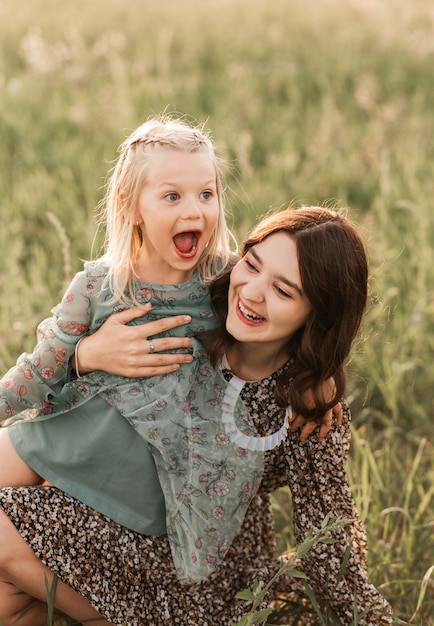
x=186 y=243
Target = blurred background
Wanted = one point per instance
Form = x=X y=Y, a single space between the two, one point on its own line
x=325 y=102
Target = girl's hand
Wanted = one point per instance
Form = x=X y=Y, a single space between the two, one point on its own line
x=126 y=351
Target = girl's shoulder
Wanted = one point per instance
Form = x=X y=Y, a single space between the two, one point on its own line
x=96 y=269
x=233 y=258
x=219 y=266
x=92 y=281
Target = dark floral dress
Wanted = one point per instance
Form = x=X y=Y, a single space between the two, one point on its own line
x=129 y=578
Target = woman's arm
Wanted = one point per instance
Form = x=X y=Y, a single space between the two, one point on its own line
x=318 y=483
x=125 y=350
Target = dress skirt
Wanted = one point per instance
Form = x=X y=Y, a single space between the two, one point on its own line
x=129 y=577
x=96 y=456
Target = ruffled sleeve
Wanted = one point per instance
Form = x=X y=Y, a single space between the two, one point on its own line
x=318 y=483
x=37 y=377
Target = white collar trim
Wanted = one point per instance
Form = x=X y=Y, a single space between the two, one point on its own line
x=269 y=442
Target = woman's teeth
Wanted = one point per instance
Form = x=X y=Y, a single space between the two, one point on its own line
x=249 y=315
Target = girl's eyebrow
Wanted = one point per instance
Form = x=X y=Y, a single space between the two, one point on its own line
x=280 y=277
x=204 y=183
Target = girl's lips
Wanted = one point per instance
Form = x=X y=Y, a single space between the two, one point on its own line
x=247 y=315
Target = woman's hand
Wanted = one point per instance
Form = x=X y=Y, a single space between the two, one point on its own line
x=126 y=351
x=298 y=421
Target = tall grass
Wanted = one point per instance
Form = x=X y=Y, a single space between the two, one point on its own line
x=321 y=101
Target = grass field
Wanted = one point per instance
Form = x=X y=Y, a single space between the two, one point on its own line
x=314 y=102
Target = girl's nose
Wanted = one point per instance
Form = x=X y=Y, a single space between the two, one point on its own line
x=191 y=210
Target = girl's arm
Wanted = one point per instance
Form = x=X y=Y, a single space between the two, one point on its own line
x=318 y=482
x=38 y=377
x=125 y=350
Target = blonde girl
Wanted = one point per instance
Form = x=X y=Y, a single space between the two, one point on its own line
x=165 y=237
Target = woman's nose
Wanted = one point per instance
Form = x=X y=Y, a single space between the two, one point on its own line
x=252 y=290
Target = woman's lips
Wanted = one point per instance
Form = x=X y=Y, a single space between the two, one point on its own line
x=247 y=315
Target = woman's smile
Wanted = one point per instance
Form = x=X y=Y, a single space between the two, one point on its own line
x=248 y=315
x=266 y=301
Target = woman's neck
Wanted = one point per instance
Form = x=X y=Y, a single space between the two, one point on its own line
x=255 y=361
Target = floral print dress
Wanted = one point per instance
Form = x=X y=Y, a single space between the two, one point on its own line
x=130 y=578
x=206 y=483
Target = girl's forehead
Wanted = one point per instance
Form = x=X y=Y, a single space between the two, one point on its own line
x=166 y=162
x=166 y=155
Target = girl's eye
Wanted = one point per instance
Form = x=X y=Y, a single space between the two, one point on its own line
x=206 y=195
x=172 y=196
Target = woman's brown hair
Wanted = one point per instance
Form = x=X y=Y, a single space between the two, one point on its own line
x=334 y=275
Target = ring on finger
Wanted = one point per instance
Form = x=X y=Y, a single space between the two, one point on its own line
x=151 y=347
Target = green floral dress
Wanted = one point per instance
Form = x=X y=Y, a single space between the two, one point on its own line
x=206 y=483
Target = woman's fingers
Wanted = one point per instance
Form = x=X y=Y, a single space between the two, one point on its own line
x=307 y=428
x=157 y=345
x=123 y=317
x=125 y=350
x=326 y=424
x=147 y=329
x=338 y=412
x=164 y=366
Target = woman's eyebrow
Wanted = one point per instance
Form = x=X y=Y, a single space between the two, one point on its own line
x=280 y=277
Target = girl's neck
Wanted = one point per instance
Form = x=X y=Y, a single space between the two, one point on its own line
x=163 y=276
x=254 y=361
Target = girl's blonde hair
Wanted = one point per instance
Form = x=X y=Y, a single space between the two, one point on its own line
x=122 y=234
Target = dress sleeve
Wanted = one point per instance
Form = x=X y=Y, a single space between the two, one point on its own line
x=318 y=483
x=38 y=377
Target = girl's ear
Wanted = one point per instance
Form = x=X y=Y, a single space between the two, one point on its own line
x=137 y=218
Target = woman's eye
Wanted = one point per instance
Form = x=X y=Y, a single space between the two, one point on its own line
x=250 y=265
x=283 y=293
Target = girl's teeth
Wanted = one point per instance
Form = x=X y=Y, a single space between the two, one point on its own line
x=249 y=315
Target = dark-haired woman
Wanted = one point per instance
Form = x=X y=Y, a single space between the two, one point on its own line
x=289 y=312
